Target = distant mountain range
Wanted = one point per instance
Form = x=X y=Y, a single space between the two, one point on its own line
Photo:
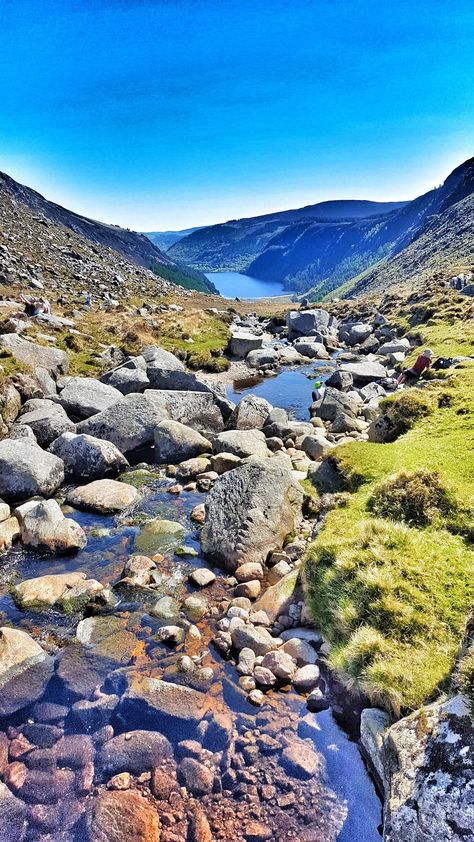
x=136 y=248
x=355 y=244
x=165 y=239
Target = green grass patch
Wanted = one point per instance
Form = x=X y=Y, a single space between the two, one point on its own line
x=210 y=336
x=392 y=591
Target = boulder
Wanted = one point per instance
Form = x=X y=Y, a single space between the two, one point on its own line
x=250 y=511
x=27 y=470
x=263 y=356
x=86 y=396
x=115 y=816
x=300 y=649
x=277 y=598
x=129 y=377
x=86 y=457
x=198 y=410
x=316 y=446
x=250 y=414
x=300 y=759
x=341 y=380
x=309 y=323
x=191 y=468
x=312 y=349
x=373 y=727
x=281 y=665
x=394 y=347
x=128 y=424
x=138 y=571
x=162 y=366
x=25 y=670
x=428 y=765
x=103 y=496
x=241 y=343
x=175 y=442
x=173 y=709
x=383 y=429
x=47 y=422
x=9 y=532
x=28 y=353
x=256 y=638
x=241 y=443
x=223 y=462
x=44 y=527
x=202 y=577
x=365 y=372
x=306 y=678
x=358 y=333
x=335 y=402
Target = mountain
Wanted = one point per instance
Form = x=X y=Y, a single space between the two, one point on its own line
x=134 y=247
x=165 y=239
x=234 y=245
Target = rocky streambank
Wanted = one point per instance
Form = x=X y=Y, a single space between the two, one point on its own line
x=160 y=675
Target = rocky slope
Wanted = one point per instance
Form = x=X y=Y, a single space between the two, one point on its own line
x=135 y=248
x=234 y=245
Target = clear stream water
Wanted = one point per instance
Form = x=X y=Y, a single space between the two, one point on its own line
x=111 y=540
x=236 y=285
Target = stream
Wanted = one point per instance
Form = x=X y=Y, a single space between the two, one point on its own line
x=338 y=803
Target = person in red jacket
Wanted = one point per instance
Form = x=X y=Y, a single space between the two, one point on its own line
x=422 y=364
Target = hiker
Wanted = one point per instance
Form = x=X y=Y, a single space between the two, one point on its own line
x=46 y=305
x=422 y=364
x=318 y=391
x=29 y=303
x=88 y=300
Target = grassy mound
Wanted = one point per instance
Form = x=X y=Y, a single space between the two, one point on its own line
x=392 y=591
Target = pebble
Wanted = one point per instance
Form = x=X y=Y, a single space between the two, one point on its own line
x=256 y=697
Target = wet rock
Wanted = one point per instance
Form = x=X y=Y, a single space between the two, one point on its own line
x=196 y=777
x=256 y=697
x=49 y=712
x=166 y=608
x=23 y=351
x=158 y=536
x=85 y=396
x=134 y=752
x=202 y=577
x=300 y=760
x=241 y=443
x=199 y=826
x=46 y=786
x=47 y=422
x=198 y=514
x=162 y=784
x=81 y=670
x=249 y=571
x=42 y=735
x=299 y=649
x=374 y=724
x=250 y=414
x=86 y=457
x=316 y=701
x=250 y=589
x=122 y=817
x=278 y=598
x=92 y=715
x=191 y=468
x=250 y=511
x=27 y=470
x=175 y=442
x=103 y=496
x=45 y=590
x=281 y=665
x=13 y=814
x=128 y=424
x=306 y=678
x=9 y=532
x=258 y=639
x=138 y=571
x=264 y=676
x=195 y=608
x=171 y=635
x=162 y=704
x=25 y=670
x=44 y=527
x=130 y=376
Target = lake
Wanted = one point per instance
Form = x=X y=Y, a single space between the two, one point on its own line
x=233 y=284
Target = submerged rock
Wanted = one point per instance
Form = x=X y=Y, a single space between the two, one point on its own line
x=250 y=511
x=134 y=752
x=127 y=816
x=158 y=535
x=162 y=704
x=25 y=670
x=14 y=815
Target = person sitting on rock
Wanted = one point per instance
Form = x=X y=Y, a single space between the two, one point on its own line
x=318 y=391
x=423 y=363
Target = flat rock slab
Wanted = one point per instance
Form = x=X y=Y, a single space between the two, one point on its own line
x=26 y=352
x=172 y=708
x=104 y=496
x=129 y=423
x=86 y=396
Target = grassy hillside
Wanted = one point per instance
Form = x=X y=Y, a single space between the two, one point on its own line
x=391 y=575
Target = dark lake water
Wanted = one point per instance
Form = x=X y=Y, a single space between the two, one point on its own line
x=233 y=284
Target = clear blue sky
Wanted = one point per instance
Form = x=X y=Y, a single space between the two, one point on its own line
x=161 y=114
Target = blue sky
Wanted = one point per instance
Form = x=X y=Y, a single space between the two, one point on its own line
x=162 y=114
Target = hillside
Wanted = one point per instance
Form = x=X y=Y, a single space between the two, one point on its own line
x=165 y=239
x=234 y=245
x=136 y=248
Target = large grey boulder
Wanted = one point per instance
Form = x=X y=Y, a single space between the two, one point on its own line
x=242 y=342
x=26 y=470
x=88 y=458
x=358 y=333
x=309 y=347
x=365 y=372
x=198 y=410
x=341 y=380
x=428 y=766
x=394 y=346
x=241 y=443
x=335 y=402
x=315 y=446
x=309 y=323
x=23 y=351
x=250 y=511
x=263 y=356
x=44 y=527
x=25 y=670
x=48 y=422
x=250 y=414
x=103 y=496
x=129 y=377
x=86 y=396
x=128 y=424
x=175 y=442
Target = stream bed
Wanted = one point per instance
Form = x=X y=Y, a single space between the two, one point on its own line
x=338 y=802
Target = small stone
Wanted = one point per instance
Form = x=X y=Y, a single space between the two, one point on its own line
x=122 y=781
x=306 y=678
x=256 y=698
x=202 y=577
